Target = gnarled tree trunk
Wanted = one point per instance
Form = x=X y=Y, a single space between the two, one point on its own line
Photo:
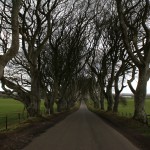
x=13 y=50
x=116 y=102
x=109 y=95
x=35 y=92
x=109 y=100
x=49 y=104
x=102 y=97
x=139 y=96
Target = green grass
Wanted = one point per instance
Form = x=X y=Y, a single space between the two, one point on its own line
x=8 y=105
x=129 y=108
x=10 y=108
x=14 y=110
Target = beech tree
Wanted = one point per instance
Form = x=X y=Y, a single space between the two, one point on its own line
x=35 y=28
x=35 y=31
x=13 y=50
x=134 y=21
x=109 y=60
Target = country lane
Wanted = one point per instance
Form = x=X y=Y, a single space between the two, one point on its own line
x=81 y=130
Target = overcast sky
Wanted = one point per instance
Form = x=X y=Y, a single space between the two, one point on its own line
x=127 y=89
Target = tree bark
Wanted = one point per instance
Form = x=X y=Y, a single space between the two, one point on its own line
x=116 y=102
x=102 y=100
x=120 y=72
x=35 y=92
x=55 y=94
x=52 y=105
x=96 y=104
x=139 y=96
x=109 y=100
x=59 y=105
x=141 y=60
x=22 y=95
x=109 y=96
x=47 y=104
x=13 y=50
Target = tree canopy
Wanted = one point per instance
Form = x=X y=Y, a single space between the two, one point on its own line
x=64 y=51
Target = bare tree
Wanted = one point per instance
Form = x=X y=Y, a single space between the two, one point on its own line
x=35 y=28
x=13 y=50
x=66 y=52
x=134 y=21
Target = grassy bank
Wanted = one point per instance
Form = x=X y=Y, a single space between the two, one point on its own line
x=13 y=112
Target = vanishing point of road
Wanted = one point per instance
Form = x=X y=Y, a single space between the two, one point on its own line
x=81 y=130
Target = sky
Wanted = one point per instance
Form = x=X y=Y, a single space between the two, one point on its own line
x=127 y=89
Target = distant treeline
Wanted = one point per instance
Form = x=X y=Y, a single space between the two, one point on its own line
x=129 y=95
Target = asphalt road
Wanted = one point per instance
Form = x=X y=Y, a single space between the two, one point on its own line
x=81 y=130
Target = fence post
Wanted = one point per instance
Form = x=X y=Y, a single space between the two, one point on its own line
x=6 y=122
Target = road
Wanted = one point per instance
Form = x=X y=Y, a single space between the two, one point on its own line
x=81 y=130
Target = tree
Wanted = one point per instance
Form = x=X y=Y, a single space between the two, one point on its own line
x=13 y=50
x=16 y=80
x=134 y=20
x=66 y=53
x=35 y=28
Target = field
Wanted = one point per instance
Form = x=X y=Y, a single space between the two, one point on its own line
x=129 y=108
x=13 y=112
x=8 y=106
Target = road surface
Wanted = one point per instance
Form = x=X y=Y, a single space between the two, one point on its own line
x=81 y=130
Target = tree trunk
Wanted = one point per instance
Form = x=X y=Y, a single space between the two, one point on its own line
x=59 y=105
x=55 y=92
x=139 y=97
x=96 y=104
x=116 y=86
x=47 y=104
x=109 y=99
x=102 y=100
x=52 y=105
x=13 y=50
x=116 y=102
x=35 y=93
x=109 y=89
x=68 y=104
